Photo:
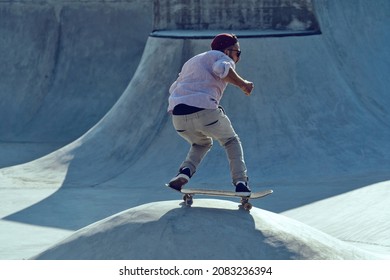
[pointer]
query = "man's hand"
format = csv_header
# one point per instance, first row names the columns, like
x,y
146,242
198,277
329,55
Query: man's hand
x,y
247,87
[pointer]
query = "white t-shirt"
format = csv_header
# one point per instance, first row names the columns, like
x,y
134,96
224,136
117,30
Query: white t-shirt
x,y
200,82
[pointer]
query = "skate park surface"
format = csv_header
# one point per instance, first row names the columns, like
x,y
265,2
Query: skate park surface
x,y
87,144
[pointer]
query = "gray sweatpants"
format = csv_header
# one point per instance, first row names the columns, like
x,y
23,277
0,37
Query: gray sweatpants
x,y
199,129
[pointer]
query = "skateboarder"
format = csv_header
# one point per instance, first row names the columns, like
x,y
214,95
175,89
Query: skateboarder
x,y
196,114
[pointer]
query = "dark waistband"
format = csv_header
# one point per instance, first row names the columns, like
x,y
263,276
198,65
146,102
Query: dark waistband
x,y
184,109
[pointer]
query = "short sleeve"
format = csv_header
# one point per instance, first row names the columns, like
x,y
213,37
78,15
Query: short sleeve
x,y
221,68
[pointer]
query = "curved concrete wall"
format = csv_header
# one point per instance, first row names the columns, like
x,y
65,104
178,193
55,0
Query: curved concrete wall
x,y
65,63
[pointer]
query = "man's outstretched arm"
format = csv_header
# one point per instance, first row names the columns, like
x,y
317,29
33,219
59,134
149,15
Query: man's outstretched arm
x,y
235,79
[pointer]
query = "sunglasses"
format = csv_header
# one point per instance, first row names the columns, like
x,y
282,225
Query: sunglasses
x,y
238,52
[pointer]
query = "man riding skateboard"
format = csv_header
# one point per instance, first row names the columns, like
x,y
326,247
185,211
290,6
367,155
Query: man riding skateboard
x,y
196,114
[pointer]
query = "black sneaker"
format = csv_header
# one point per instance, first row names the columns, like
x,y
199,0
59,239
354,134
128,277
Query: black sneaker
x,y
181,179
243,189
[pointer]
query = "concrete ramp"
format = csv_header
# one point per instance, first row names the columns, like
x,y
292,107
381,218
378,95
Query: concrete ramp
x,y
211,229
122,137
65,64
316,126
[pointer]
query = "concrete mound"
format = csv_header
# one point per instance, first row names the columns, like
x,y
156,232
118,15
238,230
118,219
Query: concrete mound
x,y
316,127
211,229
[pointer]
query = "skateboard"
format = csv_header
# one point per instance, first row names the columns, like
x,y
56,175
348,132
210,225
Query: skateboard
x,y
188,195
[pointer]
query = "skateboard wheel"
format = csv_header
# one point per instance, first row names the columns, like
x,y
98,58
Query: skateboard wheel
x,y
189,202
247,206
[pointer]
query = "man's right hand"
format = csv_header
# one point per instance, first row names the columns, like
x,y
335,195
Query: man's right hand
x,y
247,87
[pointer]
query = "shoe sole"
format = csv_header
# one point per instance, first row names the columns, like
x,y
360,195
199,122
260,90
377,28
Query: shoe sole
x,y
246,194
178,183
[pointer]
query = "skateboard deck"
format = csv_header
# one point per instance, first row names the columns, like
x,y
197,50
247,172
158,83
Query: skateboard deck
x,y
253,195
188,194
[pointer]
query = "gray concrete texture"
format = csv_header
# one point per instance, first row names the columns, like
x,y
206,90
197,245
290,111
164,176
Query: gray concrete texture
x,y
78,145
